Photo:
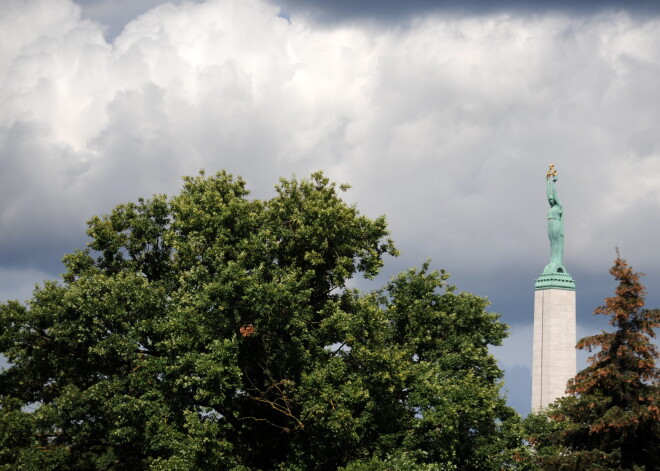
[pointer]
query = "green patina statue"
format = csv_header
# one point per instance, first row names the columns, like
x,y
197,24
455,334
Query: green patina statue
x,y
555,225
555,275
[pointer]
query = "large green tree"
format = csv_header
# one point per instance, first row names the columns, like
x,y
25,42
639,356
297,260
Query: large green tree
x,y
611,418
215,331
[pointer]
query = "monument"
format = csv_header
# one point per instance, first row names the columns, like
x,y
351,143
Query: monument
x,y
554,312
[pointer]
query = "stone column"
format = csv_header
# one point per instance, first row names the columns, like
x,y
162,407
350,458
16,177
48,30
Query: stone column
x,y
554,361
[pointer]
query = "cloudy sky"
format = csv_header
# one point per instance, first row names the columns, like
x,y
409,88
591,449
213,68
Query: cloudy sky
x,y
443,116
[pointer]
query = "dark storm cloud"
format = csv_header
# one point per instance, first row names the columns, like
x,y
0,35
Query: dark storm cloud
x,y
397,10
115,14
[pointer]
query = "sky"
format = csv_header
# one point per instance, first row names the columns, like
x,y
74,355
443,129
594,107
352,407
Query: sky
x,y
442,116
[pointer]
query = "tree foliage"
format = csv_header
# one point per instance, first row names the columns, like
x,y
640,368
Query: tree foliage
x,y
611,420
214,331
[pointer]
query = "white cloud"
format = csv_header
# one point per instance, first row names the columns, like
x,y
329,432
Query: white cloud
x,y
446,124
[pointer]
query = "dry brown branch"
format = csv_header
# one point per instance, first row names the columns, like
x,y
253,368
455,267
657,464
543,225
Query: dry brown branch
x,y
278,396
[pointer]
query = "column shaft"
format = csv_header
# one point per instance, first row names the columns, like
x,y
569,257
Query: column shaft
x,y
554,345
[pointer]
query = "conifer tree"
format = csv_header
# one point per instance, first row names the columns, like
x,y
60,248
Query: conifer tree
x,y
611,418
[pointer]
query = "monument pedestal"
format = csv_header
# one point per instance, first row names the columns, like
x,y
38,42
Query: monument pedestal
x,y
554,361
